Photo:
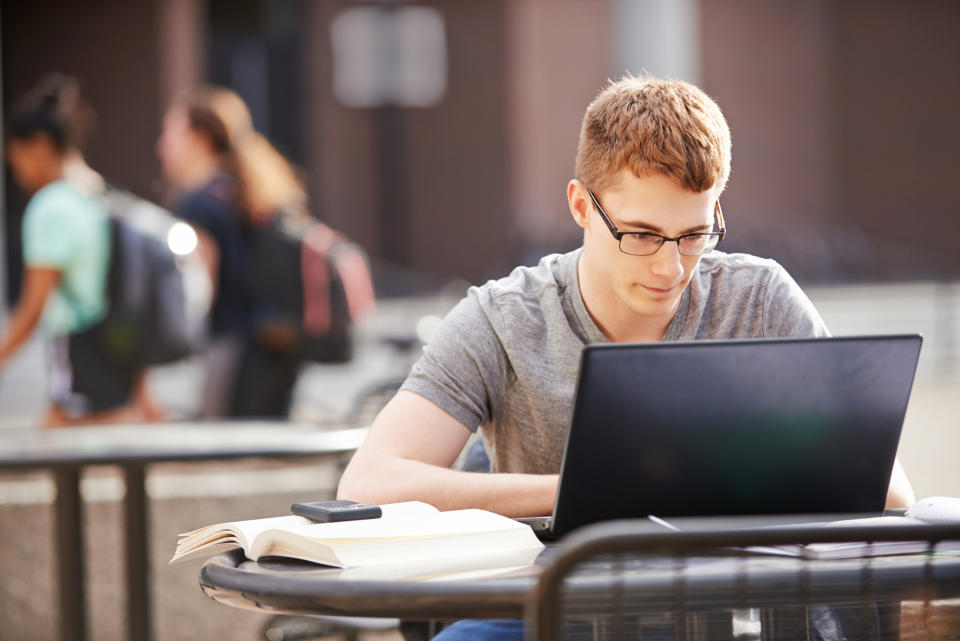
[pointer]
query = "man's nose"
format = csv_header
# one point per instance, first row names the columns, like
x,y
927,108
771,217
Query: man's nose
x,y
667,262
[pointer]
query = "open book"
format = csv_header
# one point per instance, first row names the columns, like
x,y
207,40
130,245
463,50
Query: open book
x,y
406,532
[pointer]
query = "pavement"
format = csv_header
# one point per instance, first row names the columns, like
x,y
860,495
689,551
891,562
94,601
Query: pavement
x,y
186,496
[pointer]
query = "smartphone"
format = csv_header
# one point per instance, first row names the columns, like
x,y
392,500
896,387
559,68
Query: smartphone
x,y
331,511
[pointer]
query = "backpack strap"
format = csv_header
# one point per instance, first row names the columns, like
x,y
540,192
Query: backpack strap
x,y
357,282
315,268
323,250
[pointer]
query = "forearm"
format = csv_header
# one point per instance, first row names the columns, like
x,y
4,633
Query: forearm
x,y
22,323
900,493
397,479
38,283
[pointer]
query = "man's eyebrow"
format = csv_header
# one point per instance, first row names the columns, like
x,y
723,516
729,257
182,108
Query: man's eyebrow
x,y
650,227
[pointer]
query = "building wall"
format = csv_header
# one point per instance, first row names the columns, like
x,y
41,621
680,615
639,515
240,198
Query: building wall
x,y
441,169
840,112
559,57
897,96
115,49
843,158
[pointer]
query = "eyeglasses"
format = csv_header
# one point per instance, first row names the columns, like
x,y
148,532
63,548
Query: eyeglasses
x,y
644,243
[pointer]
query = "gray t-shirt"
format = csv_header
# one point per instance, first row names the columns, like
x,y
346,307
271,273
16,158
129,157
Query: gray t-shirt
x,y
505,359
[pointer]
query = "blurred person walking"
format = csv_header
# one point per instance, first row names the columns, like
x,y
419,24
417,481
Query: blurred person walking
x,y
231,180
66,248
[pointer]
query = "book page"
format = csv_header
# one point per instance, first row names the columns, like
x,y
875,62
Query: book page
x,y
220,537
404,540
409,526
447,568
407,508
240,531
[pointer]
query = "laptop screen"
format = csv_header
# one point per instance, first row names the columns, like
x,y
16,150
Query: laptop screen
x,y
767,426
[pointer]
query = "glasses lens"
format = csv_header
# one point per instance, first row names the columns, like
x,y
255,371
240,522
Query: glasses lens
x,y
640,244
696,244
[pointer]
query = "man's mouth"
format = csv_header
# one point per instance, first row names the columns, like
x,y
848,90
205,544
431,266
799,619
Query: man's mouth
x,y
660,290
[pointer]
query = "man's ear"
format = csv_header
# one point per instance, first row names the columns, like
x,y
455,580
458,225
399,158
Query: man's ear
x,y
579,201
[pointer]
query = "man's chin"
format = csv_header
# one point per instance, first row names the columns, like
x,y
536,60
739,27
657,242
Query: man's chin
x,y
654,305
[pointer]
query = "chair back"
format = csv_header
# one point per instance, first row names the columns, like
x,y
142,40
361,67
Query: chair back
x,y
623,579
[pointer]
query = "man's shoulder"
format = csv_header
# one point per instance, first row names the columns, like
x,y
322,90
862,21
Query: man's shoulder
x,y
719,262
548,277
528,299
745,296
738,269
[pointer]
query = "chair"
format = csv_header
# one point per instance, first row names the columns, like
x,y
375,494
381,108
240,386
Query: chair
x,y
622,580
309,628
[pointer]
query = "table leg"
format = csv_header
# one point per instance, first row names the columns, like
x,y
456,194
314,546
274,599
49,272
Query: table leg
x,y
136,522
70,554
784,623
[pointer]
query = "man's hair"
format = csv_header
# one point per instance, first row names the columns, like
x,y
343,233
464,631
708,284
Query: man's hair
x,y
654,126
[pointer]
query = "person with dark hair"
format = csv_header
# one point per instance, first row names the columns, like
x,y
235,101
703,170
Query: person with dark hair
x,y
66,248
231,179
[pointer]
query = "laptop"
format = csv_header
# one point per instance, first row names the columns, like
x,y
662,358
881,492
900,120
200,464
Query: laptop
x,y
738,427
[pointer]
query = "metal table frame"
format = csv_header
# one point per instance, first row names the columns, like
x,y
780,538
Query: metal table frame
x,y
66,451
777,584
293,587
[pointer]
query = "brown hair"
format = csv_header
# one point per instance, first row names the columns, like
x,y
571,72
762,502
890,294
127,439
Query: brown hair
x,y
654,126
266,181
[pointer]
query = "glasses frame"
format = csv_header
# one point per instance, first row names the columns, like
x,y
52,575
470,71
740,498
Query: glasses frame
x,y
717,211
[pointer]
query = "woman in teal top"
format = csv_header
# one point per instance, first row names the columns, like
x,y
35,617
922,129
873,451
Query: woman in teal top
x,y
66,248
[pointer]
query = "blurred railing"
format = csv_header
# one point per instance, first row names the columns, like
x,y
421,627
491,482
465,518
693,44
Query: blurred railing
x,y
610,580
928,308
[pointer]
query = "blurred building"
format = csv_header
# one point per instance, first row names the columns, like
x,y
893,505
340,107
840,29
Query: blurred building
x,y
441,134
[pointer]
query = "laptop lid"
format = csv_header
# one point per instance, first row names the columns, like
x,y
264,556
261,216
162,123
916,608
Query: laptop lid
x,y
759,426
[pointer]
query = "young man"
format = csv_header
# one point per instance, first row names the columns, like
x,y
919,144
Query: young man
x,y
652,161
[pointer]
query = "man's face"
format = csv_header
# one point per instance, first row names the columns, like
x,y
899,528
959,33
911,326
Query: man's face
x,y
648,286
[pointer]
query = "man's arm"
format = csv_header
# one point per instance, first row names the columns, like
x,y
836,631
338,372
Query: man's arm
x,y
900,493
407,456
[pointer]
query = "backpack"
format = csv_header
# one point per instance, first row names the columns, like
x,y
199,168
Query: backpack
x,y
311,279
158,298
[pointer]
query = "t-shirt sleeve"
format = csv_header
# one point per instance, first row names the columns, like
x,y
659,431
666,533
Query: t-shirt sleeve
x,y
49,235
787,312
463,366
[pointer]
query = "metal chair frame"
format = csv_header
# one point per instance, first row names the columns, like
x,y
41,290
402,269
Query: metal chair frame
x,y
632,539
